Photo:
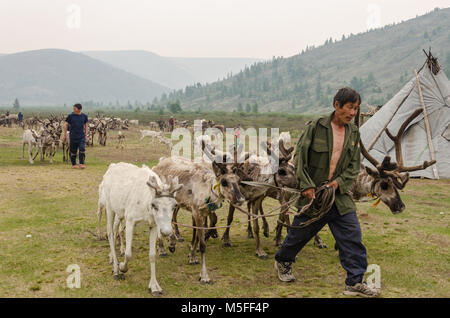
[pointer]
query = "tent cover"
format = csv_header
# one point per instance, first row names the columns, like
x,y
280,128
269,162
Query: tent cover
x,y
415,149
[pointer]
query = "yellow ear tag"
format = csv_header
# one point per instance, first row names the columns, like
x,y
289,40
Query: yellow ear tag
x,y
217,185
376,203
370,195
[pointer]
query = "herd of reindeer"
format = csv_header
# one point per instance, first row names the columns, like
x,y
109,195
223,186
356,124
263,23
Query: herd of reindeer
x,y
45,135
129,194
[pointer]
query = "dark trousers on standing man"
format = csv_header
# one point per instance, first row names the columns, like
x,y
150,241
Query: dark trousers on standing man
x,y
77,145
347,233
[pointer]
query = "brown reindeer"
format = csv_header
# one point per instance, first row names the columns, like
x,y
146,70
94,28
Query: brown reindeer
x,y
388,177
256,168
206,185
102,129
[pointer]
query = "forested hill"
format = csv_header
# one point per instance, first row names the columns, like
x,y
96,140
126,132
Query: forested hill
x,y
377,63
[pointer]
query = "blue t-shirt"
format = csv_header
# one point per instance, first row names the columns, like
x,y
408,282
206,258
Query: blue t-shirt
x,y
76,125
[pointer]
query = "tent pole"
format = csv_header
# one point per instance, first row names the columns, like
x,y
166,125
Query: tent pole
x,y
427,125
384,128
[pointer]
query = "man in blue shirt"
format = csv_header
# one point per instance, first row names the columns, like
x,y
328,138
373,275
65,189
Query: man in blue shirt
x,y
76,123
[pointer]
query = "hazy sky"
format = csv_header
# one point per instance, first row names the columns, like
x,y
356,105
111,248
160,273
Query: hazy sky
x,y
195,28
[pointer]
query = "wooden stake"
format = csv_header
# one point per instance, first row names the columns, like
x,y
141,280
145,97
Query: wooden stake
x,y
427,126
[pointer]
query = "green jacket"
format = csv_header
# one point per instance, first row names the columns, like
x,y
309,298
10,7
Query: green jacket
x,y
312,161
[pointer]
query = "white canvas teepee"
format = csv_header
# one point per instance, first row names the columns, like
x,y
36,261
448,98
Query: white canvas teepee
x,y
435,88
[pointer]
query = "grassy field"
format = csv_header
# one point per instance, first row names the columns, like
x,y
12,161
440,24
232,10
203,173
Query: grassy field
x,y
56,205
292,122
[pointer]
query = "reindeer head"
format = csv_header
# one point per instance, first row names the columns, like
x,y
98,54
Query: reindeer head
x,y
389,177
163,204
285,175
228,174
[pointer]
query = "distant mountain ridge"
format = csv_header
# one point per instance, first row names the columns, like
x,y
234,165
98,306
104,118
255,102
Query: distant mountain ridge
x,y
173,72
54,76
377,63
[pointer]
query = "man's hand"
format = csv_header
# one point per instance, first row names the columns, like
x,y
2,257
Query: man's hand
x,y
333,184
310,193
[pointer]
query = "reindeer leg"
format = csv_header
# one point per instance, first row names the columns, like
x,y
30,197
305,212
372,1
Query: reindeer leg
x,y
265,224
30,154
204,278
177,231
100,210
173,243
113,225
226,234
121,239
161,249
259,251
123,266
249,226
283,218
192,257
153,285
318,242
213,221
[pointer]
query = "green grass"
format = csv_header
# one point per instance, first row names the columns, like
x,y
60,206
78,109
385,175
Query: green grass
x,y
56,206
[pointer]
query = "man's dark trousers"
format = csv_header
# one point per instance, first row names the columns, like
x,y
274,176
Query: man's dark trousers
x,y
77,145
347,233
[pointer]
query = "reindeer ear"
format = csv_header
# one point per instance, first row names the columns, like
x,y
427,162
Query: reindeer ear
x,y
175,186
153,183
403,179
219,169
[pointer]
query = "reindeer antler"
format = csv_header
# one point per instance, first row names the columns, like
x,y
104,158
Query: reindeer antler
x,y
287,153
368,156
398,145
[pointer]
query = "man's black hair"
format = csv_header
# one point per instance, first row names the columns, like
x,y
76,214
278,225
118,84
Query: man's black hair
x,y
78,106
345,95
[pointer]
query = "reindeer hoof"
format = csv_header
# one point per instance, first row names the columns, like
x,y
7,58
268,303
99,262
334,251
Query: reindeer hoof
x,y
172,249
119,277
336,247
193,262
123,269
163,254
266,233
205,281
180,239
226,244
157,293
322,245
214,234
250,235
262,256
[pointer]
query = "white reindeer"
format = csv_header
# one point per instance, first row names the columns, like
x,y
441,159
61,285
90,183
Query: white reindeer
x,y
129,195
32,139
150,133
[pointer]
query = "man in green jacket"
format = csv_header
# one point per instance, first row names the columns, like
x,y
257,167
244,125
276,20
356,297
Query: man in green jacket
x,y
328,153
